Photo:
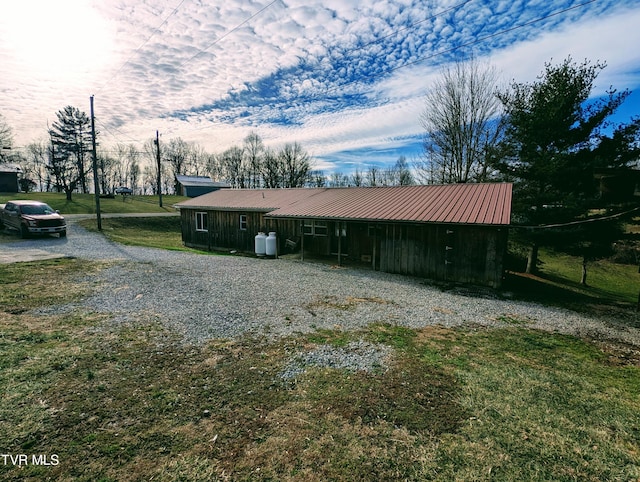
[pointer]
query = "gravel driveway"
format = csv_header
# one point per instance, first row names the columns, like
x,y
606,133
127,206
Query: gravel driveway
x,y
207,297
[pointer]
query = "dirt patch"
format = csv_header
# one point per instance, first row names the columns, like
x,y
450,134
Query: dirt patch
x,y
26,255
621,354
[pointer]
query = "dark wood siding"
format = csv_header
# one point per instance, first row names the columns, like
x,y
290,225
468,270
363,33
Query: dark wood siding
x,y
456,252
224,230
467,254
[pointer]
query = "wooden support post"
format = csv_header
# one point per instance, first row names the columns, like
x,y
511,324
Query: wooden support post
x,y
339,244
302,240
375,242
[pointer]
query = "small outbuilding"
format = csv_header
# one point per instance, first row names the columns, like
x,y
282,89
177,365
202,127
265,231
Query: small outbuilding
x,y
455,232
193,186
9,178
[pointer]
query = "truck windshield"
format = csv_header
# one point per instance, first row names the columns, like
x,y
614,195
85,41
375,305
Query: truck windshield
x,y
37,209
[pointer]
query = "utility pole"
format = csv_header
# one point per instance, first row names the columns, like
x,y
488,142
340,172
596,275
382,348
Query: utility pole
x,y
157,143
96,183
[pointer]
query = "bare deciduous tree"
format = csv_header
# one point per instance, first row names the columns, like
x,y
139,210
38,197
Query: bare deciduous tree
x,y
461,120
35,166
295,165
253,151
233,167
271,175
6,137
373,177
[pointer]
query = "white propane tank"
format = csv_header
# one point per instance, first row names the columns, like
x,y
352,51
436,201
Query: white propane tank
x,y
271,244
261,244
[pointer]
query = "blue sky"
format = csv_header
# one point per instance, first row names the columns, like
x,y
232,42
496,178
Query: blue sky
x,y
346,79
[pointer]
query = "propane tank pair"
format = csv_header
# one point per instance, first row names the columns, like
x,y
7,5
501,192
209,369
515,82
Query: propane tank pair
x,y
265,245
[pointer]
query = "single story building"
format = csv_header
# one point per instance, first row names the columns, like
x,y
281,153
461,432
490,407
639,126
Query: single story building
x,y
9,178
193,186
455,232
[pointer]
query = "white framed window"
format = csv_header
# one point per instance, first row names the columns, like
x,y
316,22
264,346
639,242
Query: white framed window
x,y
202,221
314,228
243,222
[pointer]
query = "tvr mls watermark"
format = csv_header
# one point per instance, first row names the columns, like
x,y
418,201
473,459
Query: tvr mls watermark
x,y
23,460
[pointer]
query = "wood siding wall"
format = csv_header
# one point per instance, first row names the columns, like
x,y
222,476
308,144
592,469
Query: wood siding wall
x,y
459,253
224,230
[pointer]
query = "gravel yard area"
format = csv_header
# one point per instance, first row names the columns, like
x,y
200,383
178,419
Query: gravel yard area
x,y
206,297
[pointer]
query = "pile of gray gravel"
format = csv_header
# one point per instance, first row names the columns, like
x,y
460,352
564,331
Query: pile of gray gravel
x,y
355,356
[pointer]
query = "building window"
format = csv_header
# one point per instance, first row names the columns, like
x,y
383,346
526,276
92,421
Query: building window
x,y
314,228
341,229
201,222
243,222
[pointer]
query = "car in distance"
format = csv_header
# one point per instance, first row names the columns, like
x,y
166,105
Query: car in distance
x,y
124,190
32,217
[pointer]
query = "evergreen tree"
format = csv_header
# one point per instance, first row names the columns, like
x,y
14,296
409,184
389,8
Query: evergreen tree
x,y
555,138
70,147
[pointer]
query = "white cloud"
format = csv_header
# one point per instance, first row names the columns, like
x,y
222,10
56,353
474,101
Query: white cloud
x,y
148,73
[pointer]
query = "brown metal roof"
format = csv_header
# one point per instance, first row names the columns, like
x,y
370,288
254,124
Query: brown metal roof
x,y
451,203
264,200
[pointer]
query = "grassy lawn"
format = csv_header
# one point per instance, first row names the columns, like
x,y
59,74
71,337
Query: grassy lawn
x,y
85,203
133,403
158,232
610,286
613,281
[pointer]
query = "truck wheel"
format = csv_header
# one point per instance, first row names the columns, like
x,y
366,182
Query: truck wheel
x,y
24,231
63,234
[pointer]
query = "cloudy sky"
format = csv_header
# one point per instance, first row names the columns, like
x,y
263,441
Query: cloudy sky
x,y
345,78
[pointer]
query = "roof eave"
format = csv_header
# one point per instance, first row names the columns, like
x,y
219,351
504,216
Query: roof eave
x,y
382,220
225,208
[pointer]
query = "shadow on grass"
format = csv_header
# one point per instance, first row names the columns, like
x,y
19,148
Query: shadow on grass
x,y
554,290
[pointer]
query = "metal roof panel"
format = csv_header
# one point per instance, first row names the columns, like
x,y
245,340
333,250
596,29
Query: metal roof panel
x,y
488,204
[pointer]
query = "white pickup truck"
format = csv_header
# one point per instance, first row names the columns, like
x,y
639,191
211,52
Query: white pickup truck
x,y
32,217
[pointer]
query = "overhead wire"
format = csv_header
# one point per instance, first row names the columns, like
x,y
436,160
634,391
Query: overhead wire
x,y
408,64
237,27
474,42
380,39
157,29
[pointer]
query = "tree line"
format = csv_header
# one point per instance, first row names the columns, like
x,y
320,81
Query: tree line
x,y
63,163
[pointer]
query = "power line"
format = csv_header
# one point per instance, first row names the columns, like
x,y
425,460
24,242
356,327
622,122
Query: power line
x,y
157,29
422,59
445,51
409,27
131,139
226,34
577,223
373,42
473,42
237,27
